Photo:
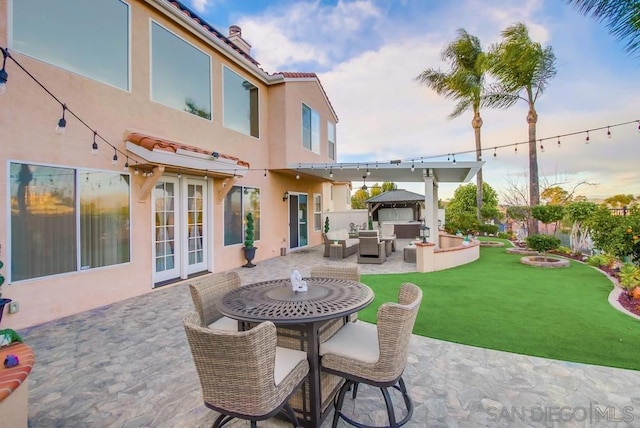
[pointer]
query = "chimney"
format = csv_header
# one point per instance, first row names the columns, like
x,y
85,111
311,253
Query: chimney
x,y
235,35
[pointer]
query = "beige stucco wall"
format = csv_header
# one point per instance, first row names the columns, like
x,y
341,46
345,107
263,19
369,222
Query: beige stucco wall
x,y
27,121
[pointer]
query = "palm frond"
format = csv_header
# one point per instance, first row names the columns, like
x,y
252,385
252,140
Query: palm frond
x,y
622,18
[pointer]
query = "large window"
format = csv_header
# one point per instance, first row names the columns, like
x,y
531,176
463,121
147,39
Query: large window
x,y
180,73
317,212
310,129
88,37
331,138
240,104
237,204
64,220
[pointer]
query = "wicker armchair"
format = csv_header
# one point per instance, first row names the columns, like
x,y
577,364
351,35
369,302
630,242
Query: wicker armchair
x,y
371,249
375,354
206,291
351,273
243,374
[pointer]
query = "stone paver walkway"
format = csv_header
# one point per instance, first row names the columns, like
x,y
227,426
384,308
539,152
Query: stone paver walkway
x,y
129,365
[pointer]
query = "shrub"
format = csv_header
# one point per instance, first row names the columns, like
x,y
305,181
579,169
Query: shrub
x,y
489,229
543,243
563,250
326,225
629,276
504,235
599,260
248,232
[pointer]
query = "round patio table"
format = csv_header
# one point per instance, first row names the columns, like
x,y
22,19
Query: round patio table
x,y
275,301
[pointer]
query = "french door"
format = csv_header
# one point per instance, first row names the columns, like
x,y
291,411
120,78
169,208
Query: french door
x,y
180,228
298,220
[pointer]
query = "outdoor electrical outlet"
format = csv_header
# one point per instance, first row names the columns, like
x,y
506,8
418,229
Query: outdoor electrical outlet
x,y
14,307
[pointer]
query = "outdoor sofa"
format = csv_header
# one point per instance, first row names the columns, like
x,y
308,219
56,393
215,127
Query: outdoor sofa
x,y
341,237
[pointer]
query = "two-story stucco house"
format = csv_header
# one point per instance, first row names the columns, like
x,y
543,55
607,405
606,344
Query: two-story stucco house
x,y
172,134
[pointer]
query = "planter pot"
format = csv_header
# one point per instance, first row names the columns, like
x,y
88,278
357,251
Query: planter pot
x,y
635,293
2,303
249,255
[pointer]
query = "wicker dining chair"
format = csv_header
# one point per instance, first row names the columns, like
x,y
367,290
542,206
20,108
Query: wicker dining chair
x,y
352,273
375,354
243,374
206,291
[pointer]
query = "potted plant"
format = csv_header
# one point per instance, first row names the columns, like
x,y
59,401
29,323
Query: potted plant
x,y
3,301
249,249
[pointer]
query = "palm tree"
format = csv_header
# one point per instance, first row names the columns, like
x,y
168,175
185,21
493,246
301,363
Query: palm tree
x,y
521,65
622,17
463,83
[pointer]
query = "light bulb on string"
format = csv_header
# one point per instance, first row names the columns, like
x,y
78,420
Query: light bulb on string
x,y
94,146
454,158
608,132
495,154
413,167
126,164
331,173
114,160
558,141
515,150
297,175
541,147
62,123
136,171
179,174
586,140
265,172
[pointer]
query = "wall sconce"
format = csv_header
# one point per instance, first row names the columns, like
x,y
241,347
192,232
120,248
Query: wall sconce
x,y
425,232
285,197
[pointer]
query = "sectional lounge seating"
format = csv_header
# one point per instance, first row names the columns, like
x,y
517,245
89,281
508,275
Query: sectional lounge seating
x,y
341,236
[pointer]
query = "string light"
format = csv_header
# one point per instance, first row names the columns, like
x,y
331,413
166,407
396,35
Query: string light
x,y
608,132
136,171
179,174
368,172
586,140
413,167
62,123
495,154
558,141
516,149
94,146
114,160
454,158
541,147
126,165
265,172
331,173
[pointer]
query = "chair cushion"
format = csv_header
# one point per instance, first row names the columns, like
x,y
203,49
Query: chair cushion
x,y
224,323
338,235
286,360
352,241
358,341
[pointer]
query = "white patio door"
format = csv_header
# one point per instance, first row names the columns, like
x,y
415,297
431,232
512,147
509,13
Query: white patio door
x,y
180,228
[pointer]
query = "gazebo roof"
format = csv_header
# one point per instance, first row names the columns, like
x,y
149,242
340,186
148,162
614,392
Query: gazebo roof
x,y
398,195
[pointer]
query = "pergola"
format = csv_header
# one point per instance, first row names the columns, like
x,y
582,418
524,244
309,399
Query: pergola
x,y
430,173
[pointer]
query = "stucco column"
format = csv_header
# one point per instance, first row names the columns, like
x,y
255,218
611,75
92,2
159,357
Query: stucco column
x,y
425,261
431,205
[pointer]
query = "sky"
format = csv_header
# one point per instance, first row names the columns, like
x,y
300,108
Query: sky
x,y
367,54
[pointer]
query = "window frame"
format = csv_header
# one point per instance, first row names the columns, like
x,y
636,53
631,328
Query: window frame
x,y
313,133
78,212
317,223
151,73
61,64
254,106
243,204
331,140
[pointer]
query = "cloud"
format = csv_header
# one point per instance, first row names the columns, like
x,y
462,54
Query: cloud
x,y
368,54
200,6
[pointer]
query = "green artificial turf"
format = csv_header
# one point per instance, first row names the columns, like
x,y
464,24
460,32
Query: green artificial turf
x,y
498,303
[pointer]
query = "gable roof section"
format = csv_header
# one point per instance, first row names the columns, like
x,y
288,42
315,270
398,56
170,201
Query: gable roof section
x,y
398,195
302,76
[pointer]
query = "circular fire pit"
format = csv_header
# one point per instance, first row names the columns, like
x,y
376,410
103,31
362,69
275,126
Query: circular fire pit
x,y
545,262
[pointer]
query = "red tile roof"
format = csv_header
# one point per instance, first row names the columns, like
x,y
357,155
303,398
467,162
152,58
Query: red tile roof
x,y
150,143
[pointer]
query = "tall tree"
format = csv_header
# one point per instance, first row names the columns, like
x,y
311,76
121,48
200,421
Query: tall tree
x,y
521,66
622,17
464,83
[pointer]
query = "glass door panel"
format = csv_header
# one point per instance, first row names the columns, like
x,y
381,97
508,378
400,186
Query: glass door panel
x,y
166,246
